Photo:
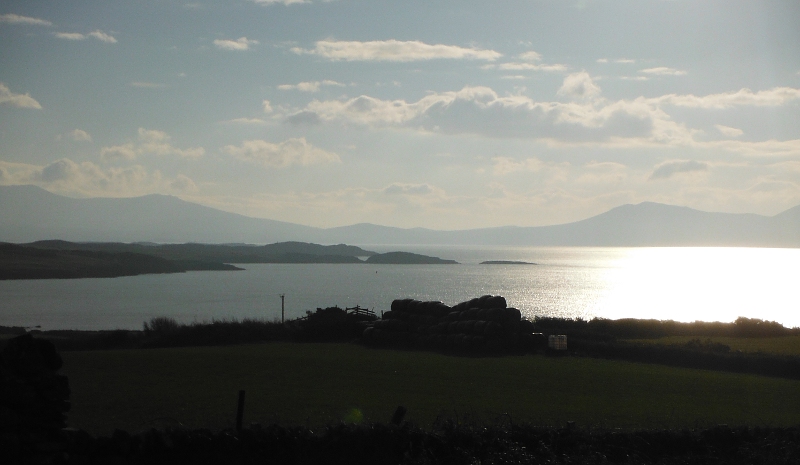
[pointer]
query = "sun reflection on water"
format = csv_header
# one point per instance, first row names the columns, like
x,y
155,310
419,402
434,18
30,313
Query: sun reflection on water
x,y
702,283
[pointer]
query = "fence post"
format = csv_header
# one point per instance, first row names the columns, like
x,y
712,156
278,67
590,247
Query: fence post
x,y
240,411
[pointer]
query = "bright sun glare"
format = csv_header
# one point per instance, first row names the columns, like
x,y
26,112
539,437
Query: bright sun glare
x,y
703,283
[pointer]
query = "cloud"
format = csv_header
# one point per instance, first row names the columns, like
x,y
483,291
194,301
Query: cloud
x,y
774,97
394,50
17,100
480,110
26,20
183,183
70,35
267,106
729,131
667,169
518,66
242,43
88,179
116,152
579,86
507,165
587,119
289,152
149,142
663,71
103,37
408,189
98,34
530,56
80,135
767,148
147,85
309,86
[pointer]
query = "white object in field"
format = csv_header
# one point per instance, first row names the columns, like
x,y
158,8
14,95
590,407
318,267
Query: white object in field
x,y
557,342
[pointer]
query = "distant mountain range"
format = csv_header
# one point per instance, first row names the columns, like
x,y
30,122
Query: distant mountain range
x,y
29,213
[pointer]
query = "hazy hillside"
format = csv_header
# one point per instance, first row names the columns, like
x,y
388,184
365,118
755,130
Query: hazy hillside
x,y
29,214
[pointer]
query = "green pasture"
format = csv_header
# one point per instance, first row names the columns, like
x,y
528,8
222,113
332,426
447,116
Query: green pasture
x,y
317,384
779,345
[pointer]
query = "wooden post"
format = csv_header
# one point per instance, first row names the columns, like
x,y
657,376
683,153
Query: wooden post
x,y
240,411
282,296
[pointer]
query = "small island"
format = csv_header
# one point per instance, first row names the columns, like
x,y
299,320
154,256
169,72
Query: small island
x,y
506,262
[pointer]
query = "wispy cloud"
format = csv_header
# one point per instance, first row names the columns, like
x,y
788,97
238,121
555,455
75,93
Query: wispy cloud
x,y
88,179
79,135
524,66
408,189
623,61
394,50
242,43
663,71
98,34
670,168
17,100
70,35
289,152
103,37
480,110
530,56
586,119
579,85
26,20
729,131
313,86
149,142
744,97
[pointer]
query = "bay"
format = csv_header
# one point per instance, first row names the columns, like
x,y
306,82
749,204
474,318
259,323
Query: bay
x,y
683,284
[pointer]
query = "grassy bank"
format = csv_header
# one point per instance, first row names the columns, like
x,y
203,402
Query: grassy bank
x,y
779,345
314,384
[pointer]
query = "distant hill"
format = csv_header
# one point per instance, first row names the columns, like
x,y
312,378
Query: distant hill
x,y
29,213
281,252
19,262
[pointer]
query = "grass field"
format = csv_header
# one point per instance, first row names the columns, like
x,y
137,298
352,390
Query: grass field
x,y
780,345
316,384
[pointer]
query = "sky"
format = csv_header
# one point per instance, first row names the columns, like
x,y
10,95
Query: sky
x,y
437,114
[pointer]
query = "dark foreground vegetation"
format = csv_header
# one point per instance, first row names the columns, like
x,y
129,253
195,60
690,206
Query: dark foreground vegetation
x,y
482,326
449,444
34,400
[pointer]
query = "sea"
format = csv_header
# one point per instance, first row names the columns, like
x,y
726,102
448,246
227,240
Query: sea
x,y
670,283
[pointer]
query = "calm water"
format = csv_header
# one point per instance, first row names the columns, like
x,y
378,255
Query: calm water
x,y
684,284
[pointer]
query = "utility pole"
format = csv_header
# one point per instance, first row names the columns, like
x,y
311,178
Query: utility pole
x,y
282,296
